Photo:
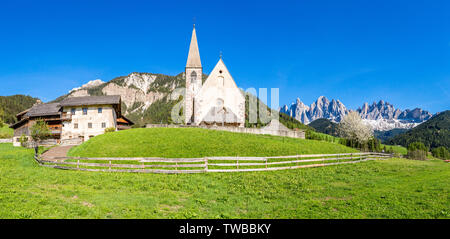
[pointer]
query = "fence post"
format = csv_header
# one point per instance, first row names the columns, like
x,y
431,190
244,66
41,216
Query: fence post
x,y
109,165
237,163
78,163
206,164
176,165
266,162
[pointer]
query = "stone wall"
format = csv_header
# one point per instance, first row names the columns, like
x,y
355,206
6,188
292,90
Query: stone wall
x,y
6,141
287,133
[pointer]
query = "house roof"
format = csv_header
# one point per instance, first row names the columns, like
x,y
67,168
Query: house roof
x,y
43,110
48,109
91,100
22,113
122,119
275,124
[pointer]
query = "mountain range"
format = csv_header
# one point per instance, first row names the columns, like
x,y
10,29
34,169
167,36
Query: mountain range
x,y
381,116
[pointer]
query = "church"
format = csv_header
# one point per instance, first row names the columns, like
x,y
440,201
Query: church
x,y
216,102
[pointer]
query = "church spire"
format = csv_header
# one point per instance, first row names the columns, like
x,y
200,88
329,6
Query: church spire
x,y
194,54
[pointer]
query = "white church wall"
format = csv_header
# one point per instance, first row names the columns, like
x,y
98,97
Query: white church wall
x,y
220,86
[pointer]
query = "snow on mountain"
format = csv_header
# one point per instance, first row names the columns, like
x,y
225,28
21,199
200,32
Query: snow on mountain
x,y
90,84
381,116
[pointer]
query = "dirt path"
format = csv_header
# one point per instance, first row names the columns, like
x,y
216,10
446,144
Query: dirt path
x,y
59,151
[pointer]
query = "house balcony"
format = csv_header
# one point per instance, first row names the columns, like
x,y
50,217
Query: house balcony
x,y
66,117
55,130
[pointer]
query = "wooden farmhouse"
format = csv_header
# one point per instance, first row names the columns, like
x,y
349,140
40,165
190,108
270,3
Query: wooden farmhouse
x,y
74,119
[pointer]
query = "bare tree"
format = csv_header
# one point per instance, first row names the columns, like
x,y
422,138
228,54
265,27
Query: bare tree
x,y
352,127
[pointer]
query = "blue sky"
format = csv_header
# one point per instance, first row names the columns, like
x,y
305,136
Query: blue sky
x,y
355,51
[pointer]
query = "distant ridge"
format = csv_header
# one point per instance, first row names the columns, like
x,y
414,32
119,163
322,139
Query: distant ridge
x,y
433,133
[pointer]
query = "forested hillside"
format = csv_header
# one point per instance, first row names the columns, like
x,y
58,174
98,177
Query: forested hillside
x,y
324,126
11,105
385,136
433,133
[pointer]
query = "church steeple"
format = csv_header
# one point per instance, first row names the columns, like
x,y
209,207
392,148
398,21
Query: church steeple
x,y
194,54
193,75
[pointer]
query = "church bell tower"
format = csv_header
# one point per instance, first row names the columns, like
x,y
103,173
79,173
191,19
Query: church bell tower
x,y
193,74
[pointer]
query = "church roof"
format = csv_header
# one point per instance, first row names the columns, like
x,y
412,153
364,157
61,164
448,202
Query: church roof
x,y
194,54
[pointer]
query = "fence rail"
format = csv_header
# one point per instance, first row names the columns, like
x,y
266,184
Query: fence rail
x,y
205,164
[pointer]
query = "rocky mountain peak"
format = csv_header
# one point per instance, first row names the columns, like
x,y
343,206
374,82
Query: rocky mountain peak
x,y
141,81
380,115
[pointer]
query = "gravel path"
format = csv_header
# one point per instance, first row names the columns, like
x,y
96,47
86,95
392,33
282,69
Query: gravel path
x,y
59,151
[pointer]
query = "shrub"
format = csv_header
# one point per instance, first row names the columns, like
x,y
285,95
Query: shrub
x,y
110,129
417,150
441,152
23,140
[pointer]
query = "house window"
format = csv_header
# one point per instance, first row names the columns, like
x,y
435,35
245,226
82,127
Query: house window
x,y
100,110
90,125
75,125
72,111
103,125
84,111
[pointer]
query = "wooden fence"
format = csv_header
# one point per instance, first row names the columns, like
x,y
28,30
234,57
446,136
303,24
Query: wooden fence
x,y
206,164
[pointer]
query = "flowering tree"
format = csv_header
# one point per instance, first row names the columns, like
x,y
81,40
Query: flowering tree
x,y
353,128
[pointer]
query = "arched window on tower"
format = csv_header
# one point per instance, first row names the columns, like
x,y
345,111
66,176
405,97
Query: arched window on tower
x,y
193,77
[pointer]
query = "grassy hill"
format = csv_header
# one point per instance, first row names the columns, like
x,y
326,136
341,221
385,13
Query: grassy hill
x,y
14,104
195,142
395,188
433,133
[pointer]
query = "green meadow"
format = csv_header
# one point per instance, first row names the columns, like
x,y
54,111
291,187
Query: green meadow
x,y
195,142
394,188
